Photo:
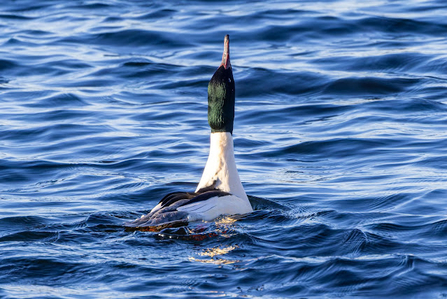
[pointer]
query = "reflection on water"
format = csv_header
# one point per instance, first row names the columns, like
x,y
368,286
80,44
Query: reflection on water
x,y
215,254
224,228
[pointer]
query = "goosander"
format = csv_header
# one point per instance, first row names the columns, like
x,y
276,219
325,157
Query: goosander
x,y
220,191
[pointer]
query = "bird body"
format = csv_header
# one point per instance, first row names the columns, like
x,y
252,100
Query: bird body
x,y
220,191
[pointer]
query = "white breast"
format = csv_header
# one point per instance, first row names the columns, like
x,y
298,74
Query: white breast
x,y
221,166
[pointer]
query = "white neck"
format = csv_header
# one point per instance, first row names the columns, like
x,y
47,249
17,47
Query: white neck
x,y
221,166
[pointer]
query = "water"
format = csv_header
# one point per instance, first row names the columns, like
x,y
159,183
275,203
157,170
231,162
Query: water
x,y
340,139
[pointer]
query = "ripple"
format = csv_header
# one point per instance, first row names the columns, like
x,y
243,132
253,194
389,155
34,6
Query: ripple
x,y
339,134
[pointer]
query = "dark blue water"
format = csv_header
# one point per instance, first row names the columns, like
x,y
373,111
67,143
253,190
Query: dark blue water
x,y
340,139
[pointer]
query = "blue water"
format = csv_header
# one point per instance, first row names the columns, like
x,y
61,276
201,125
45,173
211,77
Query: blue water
x,y
340,139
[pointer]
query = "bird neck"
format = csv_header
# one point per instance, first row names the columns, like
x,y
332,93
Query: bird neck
x,y
220,169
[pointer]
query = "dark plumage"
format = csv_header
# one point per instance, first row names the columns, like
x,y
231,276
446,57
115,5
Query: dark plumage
x,y
167,212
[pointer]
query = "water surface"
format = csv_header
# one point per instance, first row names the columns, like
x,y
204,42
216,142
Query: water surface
x,y
340,138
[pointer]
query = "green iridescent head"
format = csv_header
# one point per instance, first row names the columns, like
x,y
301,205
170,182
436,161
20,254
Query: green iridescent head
x,y
221,95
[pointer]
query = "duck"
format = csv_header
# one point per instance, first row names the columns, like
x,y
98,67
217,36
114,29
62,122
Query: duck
x,y
219,191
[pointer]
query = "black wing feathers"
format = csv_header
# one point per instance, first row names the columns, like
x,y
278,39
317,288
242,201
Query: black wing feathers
x,y
201,195
205,196
168,214
171,198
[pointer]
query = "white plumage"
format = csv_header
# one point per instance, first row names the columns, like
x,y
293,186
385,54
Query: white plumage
x,y
220,169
